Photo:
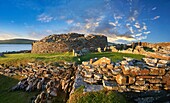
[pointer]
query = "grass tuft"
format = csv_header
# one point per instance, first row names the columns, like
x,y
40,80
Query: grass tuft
x,y
96,97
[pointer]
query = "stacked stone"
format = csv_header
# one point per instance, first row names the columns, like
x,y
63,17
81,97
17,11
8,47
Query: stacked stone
x,y
49,80
68,42
128,74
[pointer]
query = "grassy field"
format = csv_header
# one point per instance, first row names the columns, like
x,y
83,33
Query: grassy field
x,y
13,97
113,56
22,58
24,97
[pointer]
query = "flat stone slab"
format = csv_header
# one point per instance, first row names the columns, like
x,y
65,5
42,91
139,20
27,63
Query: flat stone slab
x,y
110,85
79,82
90,80
93,88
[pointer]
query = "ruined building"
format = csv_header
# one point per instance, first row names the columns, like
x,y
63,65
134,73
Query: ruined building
x,y
68,42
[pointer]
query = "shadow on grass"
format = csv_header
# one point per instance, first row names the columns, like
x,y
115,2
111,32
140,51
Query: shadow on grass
x,y
105,96
13,97
158,96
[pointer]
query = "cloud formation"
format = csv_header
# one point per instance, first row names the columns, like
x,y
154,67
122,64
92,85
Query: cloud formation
x,y
69,21
154,8
156,17
44,18
112,18
121,39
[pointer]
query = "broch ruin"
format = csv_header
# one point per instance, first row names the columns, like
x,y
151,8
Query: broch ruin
x,y
142,81
68,42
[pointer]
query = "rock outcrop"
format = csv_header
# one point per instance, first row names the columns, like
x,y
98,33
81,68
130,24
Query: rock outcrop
x,y
68,42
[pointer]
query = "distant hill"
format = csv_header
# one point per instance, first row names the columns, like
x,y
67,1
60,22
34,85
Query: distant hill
x,y
17,41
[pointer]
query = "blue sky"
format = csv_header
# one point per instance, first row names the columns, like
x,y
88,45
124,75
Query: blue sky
x,y
121,20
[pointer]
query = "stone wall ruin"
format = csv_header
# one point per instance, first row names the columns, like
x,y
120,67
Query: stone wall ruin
x,y
127,75
68,42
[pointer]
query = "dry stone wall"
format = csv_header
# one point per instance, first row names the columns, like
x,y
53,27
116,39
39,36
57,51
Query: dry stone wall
x,y
68,42
48,80
128,75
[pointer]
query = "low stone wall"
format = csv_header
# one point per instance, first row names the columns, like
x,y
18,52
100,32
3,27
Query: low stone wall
x,y
48,80
124,76
68,42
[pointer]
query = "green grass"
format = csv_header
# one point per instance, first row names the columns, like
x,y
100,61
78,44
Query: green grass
x,y
24,97
13,97
113,56
23,58
96,97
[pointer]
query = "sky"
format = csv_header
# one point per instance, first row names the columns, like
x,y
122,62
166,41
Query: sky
x,y
122,21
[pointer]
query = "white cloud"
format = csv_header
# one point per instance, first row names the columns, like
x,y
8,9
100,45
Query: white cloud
x,y
131,30
37,35
144,27
128,25
120,37
112,23
131,19
45,18
6,36
148,32
156,17
139,34
87,26
69,21
154,8
137,25
117,17
49,31
100,18
142,37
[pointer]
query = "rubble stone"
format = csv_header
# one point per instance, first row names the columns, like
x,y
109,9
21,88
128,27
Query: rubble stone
x,y
93,88
121,79
139,87
131,80
143,72
88,74
113,49
153,87
102,60
110,85
161,71
98,76
159,65
145,77
156,80
154,71
126,70
110,66
140,82
90,80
